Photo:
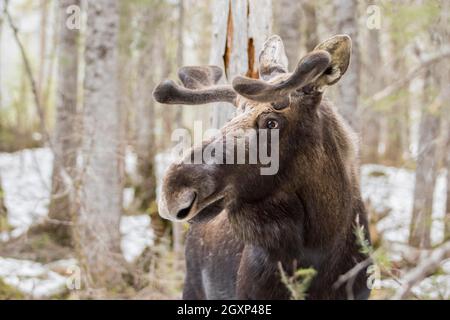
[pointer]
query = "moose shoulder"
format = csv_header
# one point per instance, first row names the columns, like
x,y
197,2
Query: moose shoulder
x,y
245,224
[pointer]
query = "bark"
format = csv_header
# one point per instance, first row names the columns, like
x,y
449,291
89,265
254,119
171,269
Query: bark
x,y
3,212
371,130
65,142
180,56
240,27
288,17
436,78
426,171
349,85
310,25
427,266
447,207
98,236
42,48
177,228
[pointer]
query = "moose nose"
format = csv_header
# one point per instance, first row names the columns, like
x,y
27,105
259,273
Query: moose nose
x,y
179,207
184,212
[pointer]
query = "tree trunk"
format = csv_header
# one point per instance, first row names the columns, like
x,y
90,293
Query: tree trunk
x,y
98,236
371,130
4,225
310,25
42,49
177,228
447,214
397,115
240,28
346,13
287,24
65,142
426,171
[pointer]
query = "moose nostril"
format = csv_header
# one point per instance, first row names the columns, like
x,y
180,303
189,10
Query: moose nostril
x,y
183,213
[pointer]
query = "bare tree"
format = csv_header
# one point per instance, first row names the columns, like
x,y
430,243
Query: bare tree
x,y
239,30
426,171
447,207
3,211
435,92
349,86
310,24
98,236
65,142
397,120
42,47
287,25
371,132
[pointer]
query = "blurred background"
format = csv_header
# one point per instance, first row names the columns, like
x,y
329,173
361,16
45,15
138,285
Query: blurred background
x,y
83,145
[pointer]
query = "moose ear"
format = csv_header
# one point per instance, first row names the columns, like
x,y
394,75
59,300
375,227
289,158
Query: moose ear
x,y
272,59
194,77
339,47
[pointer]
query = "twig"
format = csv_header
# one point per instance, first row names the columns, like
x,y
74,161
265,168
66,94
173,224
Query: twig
x,y
400,83
29,72
425,267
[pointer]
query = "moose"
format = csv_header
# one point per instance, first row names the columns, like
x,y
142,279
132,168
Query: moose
x,y
244,225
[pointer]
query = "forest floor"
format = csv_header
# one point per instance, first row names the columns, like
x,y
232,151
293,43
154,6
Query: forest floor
x,y
26,182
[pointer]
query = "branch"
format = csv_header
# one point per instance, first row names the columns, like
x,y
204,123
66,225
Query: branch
x,y
400,83
29,72
427,266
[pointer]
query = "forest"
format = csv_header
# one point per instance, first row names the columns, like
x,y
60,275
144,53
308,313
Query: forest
x,y
84,146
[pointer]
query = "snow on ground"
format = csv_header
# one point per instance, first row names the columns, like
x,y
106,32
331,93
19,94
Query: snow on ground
x,y
393,188
26,181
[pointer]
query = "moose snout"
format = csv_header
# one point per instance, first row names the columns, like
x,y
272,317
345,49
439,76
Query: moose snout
x,y
179,207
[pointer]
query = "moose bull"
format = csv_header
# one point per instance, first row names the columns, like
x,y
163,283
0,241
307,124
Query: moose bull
x,y
243,225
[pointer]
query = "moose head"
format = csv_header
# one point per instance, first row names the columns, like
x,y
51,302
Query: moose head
x,y
246,221
281,100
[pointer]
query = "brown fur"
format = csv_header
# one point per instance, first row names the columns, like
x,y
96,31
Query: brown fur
x,y
244,223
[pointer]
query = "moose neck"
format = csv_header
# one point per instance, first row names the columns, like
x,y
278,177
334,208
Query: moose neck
x,y
298,223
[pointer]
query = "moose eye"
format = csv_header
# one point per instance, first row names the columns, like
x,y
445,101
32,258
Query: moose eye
x,y
271,124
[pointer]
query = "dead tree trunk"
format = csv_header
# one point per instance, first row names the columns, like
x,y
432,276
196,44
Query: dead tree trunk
x,y
447,207
309,25
372,125
98,236
287,24
240,28
426,171
65,140
349,86
4,226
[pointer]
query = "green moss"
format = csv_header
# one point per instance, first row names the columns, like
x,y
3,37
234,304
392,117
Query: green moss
x,y
8,292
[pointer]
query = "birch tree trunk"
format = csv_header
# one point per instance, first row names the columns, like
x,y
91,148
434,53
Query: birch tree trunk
x,y
447,207
397,114
240,28
310,24
288,15
4,226
177,228
42,48
98,236
435,106
371,130
65,140
426,170
348,86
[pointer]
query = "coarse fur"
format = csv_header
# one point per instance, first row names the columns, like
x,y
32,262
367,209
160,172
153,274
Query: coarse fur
x,y
243,224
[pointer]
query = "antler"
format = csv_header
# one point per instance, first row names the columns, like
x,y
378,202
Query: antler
x,y
200,87
308,70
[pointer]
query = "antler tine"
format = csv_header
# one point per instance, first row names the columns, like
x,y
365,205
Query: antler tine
x,y
199,87
308,70
169,92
